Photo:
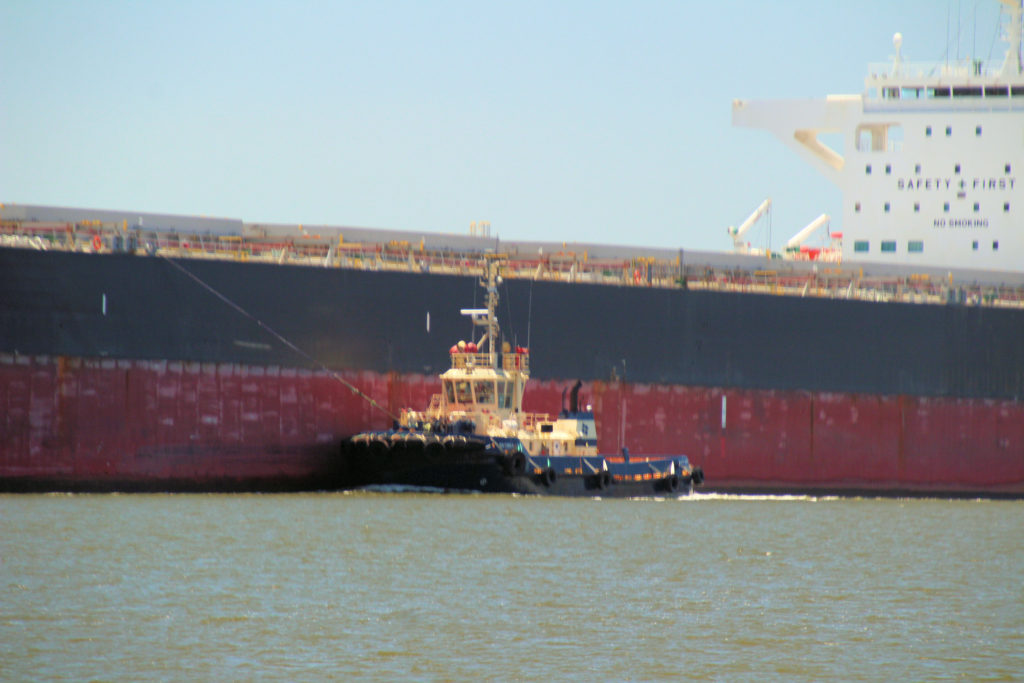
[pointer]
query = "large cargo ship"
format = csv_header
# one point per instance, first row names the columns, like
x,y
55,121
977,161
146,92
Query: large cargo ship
x,y
155,352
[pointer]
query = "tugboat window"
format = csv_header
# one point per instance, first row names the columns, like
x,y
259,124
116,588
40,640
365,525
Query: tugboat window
x,y
485,392
463,392
449,390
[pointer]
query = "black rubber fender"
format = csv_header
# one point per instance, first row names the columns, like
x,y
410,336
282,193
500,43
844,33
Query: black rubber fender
x,y
698,476
671,483
379,447
434,451
514,463
548,477
602,480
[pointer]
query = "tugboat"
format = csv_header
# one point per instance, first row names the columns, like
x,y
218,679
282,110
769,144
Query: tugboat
x,y
475,436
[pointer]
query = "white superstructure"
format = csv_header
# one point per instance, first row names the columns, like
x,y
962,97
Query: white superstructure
x,y
932,160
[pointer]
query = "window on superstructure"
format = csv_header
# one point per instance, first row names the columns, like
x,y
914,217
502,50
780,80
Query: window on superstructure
x,y
888,246
463,392
504,394
917,169
915,246
995,245
956,169
949,131
878,137
996,91
1006,207
856,207
977,131
888,169
928,131
974,245
945,207
449,391
860,246
917,207
977,207
867,169
888,206
1017,90
485,392
1007,169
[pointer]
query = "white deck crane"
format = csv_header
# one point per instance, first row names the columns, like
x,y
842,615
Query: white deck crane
x,y
737,234
798,239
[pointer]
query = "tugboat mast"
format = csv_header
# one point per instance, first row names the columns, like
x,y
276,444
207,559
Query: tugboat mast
x,y
488,317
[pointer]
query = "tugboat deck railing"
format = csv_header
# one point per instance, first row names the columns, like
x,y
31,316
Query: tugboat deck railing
x,y
516,362
529,421
462,360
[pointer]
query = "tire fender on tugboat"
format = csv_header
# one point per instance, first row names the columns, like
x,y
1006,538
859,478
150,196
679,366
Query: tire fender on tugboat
x,y
697,476
514,464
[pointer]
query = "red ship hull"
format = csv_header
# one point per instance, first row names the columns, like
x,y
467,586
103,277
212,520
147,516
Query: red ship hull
x,y
102,424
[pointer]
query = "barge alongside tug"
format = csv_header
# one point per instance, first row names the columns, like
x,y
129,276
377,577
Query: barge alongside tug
x,y
475,434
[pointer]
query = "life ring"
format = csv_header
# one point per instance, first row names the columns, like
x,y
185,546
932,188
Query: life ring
x,y
636,276
96,243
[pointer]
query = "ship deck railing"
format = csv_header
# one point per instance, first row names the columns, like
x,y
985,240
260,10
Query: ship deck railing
x,y
831,281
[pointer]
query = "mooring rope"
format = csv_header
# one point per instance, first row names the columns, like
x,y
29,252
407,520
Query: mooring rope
x,y
353,388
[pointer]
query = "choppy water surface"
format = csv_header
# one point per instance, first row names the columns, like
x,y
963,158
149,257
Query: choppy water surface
x,y
415,586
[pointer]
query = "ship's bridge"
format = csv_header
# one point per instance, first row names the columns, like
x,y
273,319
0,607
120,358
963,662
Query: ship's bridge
x,y
485,387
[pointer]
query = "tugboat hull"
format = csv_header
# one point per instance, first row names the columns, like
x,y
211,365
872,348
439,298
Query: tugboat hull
x,y
498,466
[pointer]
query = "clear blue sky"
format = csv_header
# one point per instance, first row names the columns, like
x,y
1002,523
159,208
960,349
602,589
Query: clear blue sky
x,y
575,121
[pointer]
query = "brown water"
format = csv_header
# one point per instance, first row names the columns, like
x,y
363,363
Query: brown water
x,y
465,587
